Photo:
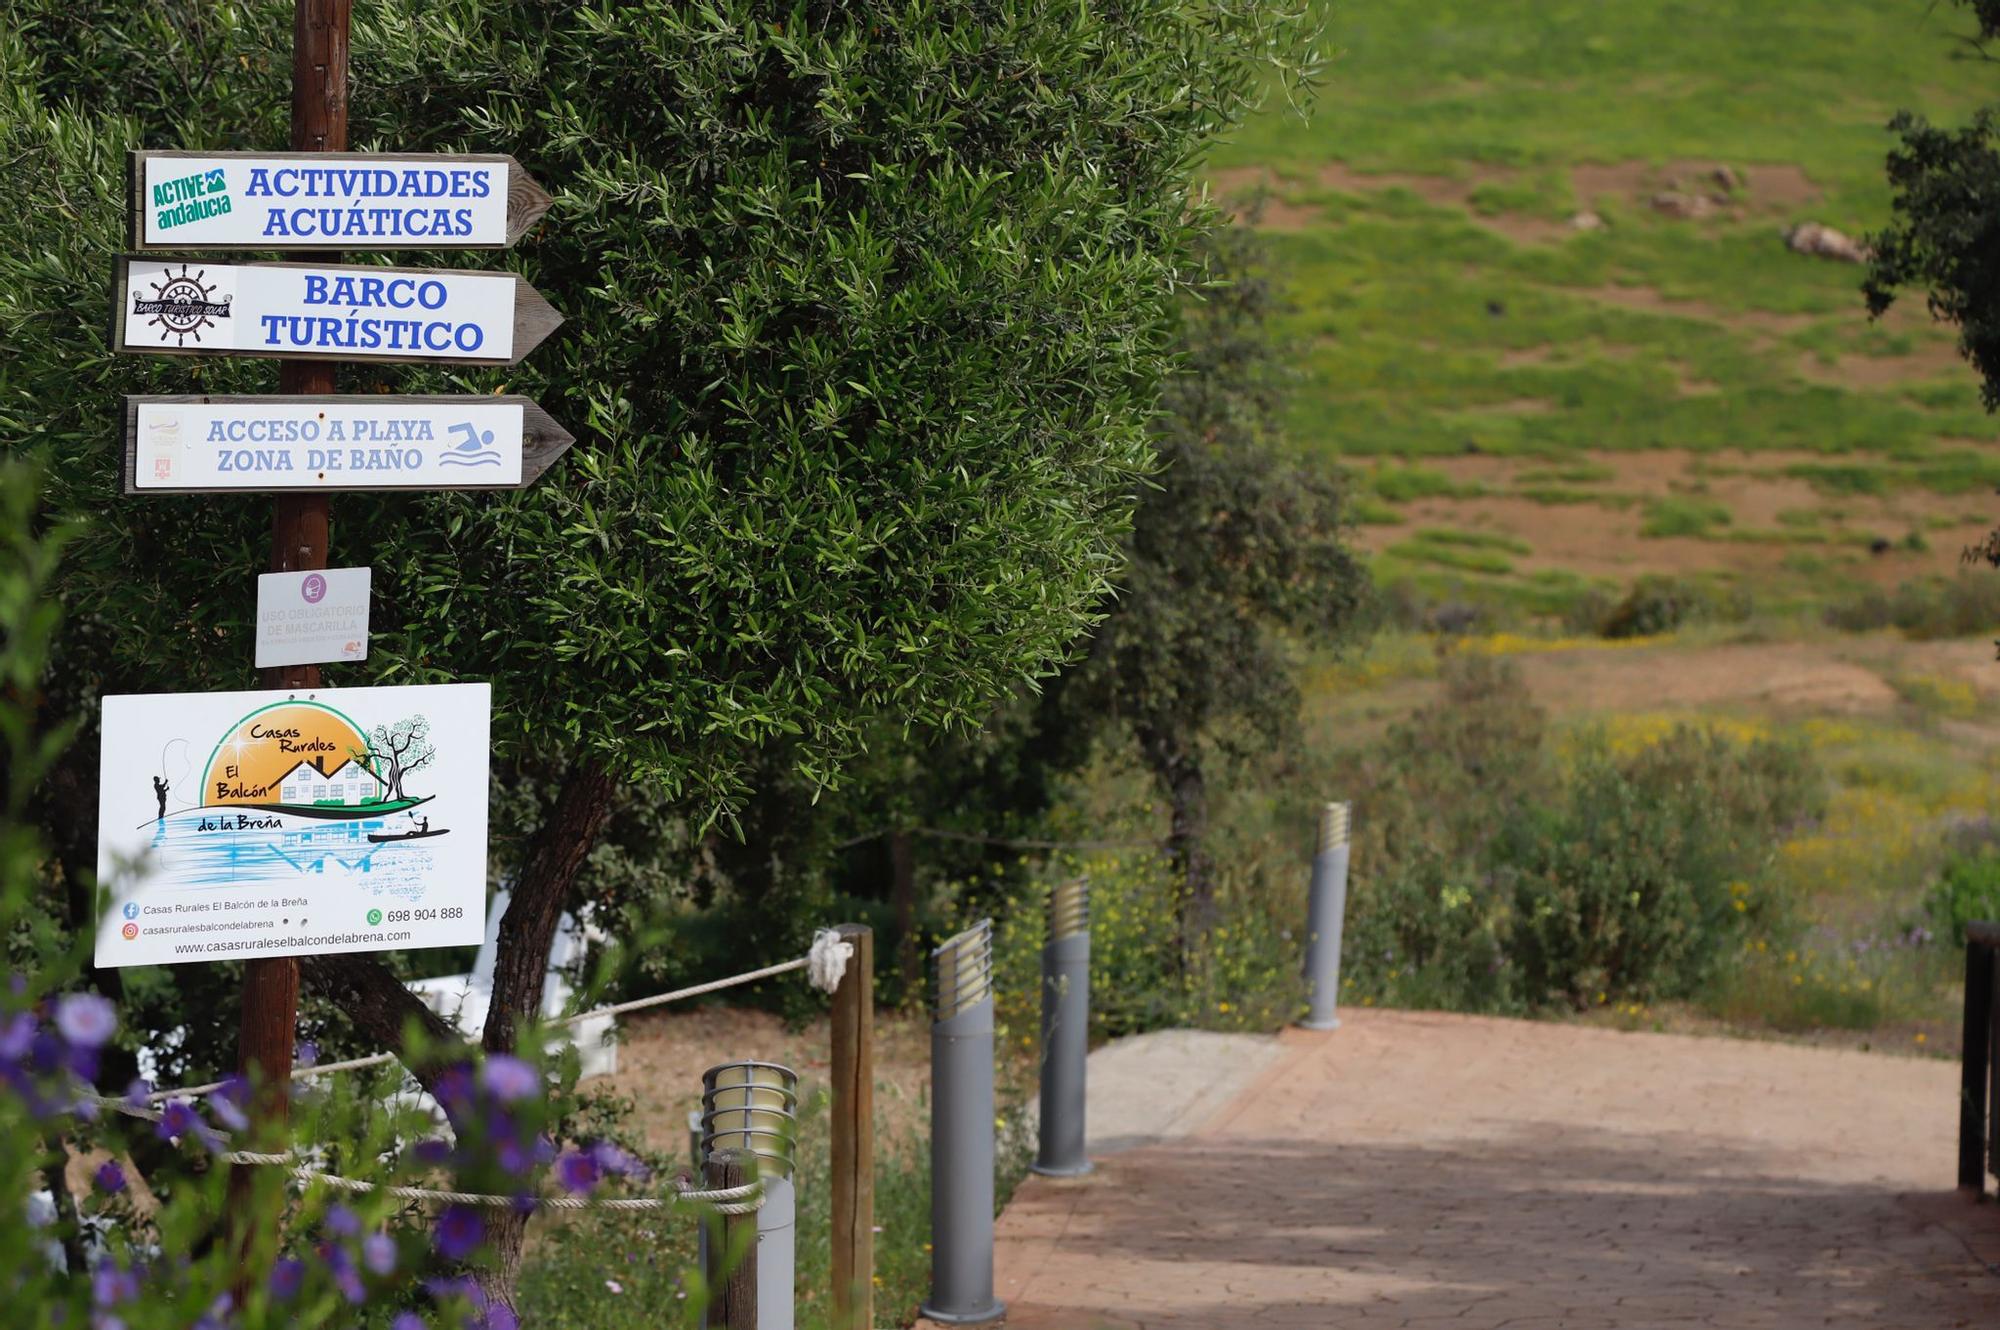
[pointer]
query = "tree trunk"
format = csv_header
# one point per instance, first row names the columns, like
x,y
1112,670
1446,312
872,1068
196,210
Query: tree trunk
x,y
903,896
379,1005
561,847
555,859
1181,778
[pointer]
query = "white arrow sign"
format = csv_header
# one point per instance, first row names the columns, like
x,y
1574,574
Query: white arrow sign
x,y
180,445
327,312
330,200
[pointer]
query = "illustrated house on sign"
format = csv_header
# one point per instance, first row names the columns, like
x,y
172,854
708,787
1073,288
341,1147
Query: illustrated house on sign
x,y
350,783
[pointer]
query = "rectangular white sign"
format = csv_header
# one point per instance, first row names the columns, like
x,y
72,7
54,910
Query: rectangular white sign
x,y
344,443
274,823
301,310
274,202
311,618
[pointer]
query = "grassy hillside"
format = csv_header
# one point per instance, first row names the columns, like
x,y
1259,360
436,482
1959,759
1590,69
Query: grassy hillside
x,y
1536,404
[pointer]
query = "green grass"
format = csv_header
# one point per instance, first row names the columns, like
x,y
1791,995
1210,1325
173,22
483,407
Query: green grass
x,y
1404,484
1463,550
1570,473
1421,317
573,1260
1680,515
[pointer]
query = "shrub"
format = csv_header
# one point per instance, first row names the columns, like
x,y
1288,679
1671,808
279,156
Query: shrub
x,y
1625,888
1660,604
1966,605
1967,891
1490,873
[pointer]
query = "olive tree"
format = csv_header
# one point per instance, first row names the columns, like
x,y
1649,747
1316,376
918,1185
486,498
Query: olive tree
x,y
1945,236
868,310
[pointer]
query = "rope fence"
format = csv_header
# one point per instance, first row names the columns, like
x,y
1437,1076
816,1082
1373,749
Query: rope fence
x,y
1003,842
744,1200
826,962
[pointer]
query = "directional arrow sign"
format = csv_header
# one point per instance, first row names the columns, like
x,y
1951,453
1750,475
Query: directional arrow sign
x,y
329,200
198,445
304,311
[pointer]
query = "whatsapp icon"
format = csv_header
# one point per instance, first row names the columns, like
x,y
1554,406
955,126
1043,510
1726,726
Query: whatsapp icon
x,y
374,916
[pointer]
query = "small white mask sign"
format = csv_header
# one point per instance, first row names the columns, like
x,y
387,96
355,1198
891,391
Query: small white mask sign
x,y
312,618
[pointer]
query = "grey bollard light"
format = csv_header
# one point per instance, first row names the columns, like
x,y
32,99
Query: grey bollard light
x,y
962,1132
1060,1152
753,1106
1326,909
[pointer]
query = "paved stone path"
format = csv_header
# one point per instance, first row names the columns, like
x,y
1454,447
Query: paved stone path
x,y
1415,1169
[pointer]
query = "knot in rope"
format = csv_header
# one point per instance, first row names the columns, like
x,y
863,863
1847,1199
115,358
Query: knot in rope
x,y
827,961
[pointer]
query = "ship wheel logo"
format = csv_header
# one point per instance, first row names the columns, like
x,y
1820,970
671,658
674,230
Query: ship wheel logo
x,y
181,305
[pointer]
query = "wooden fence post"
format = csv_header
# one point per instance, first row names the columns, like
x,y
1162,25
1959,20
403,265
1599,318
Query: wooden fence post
x,y
732,1288
1974,1050
854,1135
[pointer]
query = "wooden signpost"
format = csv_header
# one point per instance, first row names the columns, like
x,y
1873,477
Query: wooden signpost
x,y
202,445
310,314
319,311
328,200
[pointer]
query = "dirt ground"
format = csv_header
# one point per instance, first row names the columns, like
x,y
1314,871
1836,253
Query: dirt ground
x,y
664,1053
1600,537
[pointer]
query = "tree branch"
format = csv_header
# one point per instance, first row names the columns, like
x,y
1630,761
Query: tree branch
x,y
383,1010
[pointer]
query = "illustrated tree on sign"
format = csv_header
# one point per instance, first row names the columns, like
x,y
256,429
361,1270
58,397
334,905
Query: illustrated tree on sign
x,y
395,752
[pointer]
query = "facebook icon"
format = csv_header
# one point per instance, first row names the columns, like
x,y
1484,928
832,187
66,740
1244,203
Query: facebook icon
x,y
131,909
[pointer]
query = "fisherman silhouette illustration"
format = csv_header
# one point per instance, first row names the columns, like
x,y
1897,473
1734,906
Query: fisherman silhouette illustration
x,y
160,788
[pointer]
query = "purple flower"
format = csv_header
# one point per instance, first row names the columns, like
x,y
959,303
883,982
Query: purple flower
x,y
287,1277
227,1104
178,1119
501,1317
407,1321
17,1036
138,1092
342,1222
511,1155
459,1232
306,1054
217,1315
453,1089
378,1253
617,1161
112,1284
86,1019
48,1054
345,1277
110,1177
432,1153
457,1287
509,1079
576,1172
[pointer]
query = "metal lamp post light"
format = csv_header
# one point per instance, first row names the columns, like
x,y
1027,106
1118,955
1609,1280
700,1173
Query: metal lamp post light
x,y
962,1132
1065,1032
1326,909
752,1107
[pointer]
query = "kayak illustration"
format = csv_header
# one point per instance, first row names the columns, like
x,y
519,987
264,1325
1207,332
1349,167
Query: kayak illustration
x,y
381,836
